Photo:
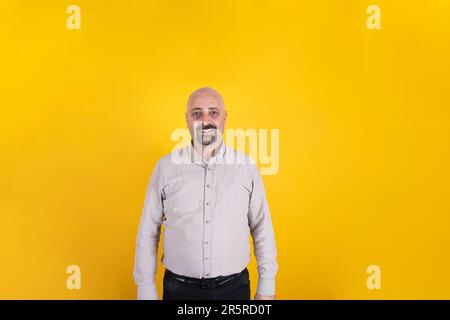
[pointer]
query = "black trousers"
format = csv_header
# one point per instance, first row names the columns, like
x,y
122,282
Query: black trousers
x,y
236,289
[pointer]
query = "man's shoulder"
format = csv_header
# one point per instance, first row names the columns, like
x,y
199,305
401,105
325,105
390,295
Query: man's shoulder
x,y
177,156
237,157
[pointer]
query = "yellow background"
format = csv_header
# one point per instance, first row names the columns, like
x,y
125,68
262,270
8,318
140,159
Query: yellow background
x,y
364,136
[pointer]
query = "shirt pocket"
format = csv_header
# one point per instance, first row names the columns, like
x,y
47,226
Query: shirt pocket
x,y
183,198
233,198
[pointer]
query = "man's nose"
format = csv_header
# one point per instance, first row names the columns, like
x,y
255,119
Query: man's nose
x,y
206,119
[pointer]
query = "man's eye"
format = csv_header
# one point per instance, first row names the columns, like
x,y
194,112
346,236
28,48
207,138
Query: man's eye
x,y
214,113
196,115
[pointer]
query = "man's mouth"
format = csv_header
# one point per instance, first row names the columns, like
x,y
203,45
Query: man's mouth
x,y
208,130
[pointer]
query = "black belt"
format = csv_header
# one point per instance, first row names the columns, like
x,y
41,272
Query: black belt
x,y
208,283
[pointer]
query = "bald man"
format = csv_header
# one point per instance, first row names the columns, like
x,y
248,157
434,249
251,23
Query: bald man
x,y
210,203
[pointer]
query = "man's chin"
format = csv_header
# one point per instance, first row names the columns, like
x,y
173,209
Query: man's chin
x,y
204,142
208,141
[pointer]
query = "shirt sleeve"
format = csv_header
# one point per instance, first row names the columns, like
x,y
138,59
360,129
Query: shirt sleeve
x,y
261,228
147,240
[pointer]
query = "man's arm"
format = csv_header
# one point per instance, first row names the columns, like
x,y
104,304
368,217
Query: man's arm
x,y
261,229
147,240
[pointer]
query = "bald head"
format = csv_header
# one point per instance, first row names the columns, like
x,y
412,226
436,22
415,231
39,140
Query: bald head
x,y
205,93
206,115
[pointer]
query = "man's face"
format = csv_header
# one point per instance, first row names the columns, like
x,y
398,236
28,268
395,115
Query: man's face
x,y
206,119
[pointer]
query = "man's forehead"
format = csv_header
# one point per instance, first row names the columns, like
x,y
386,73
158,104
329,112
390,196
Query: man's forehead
x,y
205,101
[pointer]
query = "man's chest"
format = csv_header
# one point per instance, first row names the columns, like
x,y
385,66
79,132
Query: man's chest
x,y
193,189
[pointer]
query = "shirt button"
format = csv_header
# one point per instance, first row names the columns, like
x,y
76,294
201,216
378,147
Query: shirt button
x,y
207,221
207,203
206,242
207,274
206,258
207,185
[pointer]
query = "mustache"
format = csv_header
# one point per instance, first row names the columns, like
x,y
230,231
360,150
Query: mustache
x,y
208,126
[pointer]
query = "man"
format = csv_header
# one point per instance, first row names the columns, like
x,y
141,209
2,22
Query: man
x,y
210,202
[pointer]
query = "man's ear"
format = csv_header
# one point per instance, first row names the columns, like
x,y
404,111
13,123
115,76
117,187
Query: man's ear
x,y
225,115
185,115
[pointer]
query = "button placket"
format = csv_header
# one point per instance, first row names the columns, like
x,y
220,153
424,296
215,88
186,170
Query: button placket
x,y
207,228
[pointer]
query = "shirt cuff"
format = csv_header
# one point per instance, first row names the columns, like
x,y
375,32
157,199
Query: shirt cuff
x,y
147,292
266,287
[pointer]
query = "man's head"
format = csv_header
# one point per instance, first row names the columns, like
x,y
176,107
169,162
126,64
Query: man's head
x,y
205,116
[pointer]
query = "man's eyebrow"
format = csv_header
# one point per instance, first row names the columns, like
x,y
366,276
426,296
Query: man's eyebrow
x,y
200,109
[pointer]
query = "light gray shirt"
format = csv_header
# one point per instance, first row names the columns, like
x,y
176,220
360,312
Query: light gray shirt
x,y
209,210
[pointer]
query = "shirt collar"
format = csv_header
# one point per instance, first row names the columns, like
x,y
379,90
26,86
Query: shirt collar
x,y
195,157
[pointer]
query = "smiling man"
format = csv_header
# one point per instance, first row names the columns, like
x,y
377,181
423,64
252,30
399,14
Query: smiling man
x,y
209,203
